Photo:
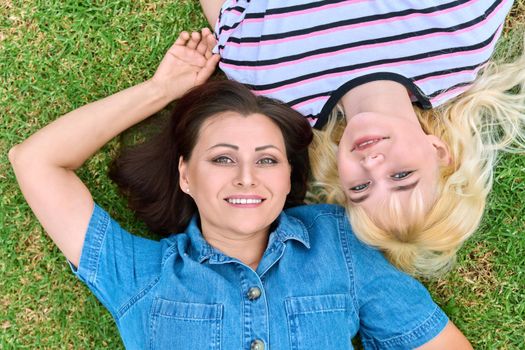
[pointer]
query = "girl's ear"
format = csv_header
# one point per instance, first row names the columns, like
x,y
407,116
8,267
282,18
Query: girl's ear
x,y
184,182
441,150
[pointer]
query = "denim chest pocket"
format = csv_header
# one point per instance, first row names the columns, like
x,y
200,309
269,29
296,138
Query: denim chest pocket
x,y
319,322
181,325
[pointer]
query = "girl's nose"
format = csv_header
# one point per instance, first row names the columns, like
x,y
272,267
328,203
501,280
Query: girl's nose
x,y
372,160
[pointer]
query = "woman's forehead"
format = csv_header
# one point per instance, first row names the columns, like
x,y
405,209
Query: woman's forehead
x,y
233,127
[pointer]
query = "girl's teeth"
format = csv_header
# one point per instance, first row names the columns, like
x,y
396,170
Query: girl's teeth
x,y
367,143
244,201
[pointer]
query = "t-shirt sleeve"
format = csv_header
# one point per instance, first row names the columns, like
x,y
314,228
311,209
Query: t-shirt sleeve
x,y
114,264
396,311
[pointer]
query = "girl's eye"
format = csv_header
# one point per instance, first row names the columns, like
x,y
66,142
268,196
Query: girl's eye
x,y
267,161
402,174
360,188
222,160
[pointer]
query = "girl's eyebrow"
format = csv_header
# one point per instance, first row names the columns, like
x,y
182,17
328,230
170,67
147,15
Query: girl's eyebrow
x,y
396,188
406,187
359,199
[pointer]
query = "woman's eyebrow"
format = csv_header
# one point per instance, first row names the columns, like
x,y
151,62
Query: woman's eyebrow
x,y
224,145
262,148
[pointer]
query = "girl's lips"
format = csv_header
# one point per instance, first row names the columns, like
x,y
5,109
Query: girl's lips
x,y
367,141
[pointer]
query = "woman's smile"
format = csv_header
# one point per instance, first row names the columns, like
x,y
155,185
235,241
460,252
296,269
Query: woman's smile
x,y
245,201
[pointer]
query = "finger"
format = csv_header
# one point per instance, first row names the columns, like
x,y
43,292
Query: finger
x,y
182,38
205,32
208,69
202,47
210,43
195,38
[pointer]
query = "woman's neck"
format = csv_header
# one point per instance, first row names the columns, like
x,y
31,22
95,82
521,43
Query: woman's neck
x,y
385,97
248,249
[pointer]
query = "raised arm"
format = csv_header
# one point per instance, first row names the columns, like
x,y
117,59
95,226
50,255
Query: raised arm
x,y
44,164
211,9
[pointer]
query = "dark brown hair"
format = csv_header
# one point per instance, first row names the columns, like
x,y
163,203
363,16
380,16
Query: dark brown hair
x,y
148,175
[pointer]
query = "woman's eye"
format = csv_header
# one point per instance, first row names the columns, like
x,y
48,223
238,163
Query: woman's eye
x,y
222,160
360,187
401,175
267,161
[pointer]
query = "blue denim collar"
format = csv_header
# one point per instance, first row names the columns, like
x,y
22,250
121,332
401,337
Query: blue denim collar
x,y
288,228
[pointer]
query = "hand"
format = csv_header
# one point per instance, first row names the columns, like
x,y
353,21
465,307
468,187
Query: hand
x,y
188,63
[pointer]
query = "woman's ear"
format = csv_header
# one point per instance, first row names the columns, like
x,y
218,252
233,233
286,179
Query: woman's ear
x,y
184,182
441,150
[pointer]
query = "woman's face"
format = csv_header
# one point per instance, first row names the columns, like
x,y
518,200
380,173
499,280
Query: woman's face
x,y
382,156
238,174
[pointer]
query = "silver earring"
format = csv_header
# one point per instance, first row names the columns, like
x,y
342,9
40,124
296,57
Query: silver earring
x,y
188,190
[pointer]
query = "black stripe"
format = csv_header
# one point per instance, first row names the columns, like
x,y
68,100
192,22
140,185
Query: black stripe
x,y
439,92
392,38
234,8
294,8
448,71
373,63
345,23
225,27
309,97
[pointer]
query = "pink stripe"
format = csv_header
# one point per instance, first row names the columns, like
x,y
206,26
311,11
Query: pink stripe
x,y
312,121
465,72
449,94
350,26
315,99
302,12
394,64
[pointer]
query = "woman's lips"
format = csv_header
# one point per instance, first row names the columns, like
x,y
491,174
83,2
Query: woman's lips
x,y
244,201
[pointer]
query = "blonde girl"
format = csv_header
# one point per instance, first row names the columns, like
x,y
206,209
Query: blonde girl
x,y
425,111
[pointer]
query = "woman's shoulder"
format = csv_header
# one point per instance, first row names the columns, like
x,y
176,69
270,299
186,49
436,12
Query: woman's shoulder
x,y
105,229
323,221
330,220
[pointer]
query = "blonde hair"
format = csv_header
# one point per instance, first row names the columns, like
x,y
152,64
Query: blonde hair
x,y
484,120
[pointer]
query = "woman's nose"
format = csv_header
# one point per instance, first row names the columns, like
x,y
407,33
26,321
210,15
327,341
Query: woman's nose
x,y
246,176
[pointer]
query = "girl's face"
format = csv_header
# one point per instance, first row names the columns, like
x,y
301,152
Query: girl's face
x,y
238,174
382,156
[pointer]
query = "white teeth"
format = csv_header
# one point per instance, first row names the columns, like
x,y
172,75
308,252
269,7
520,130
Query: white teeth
x,y
367,143
363,144
244,201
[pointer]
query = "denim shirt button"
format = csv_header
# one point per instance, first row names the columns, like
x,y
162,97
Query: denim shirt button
x,y
253,294
257,344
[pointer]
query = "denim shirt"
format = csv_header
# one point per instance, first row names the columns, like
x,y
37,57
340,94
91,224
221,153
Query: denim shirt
x,y
315,287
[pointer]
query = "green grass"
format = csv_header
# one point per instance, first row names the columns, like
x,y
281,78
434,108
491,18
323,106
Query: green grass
x,y
58,55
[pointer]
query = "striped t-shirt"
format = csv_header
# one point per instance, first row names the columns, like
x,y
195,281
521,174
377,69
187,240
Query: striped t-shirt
x,y
310,53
